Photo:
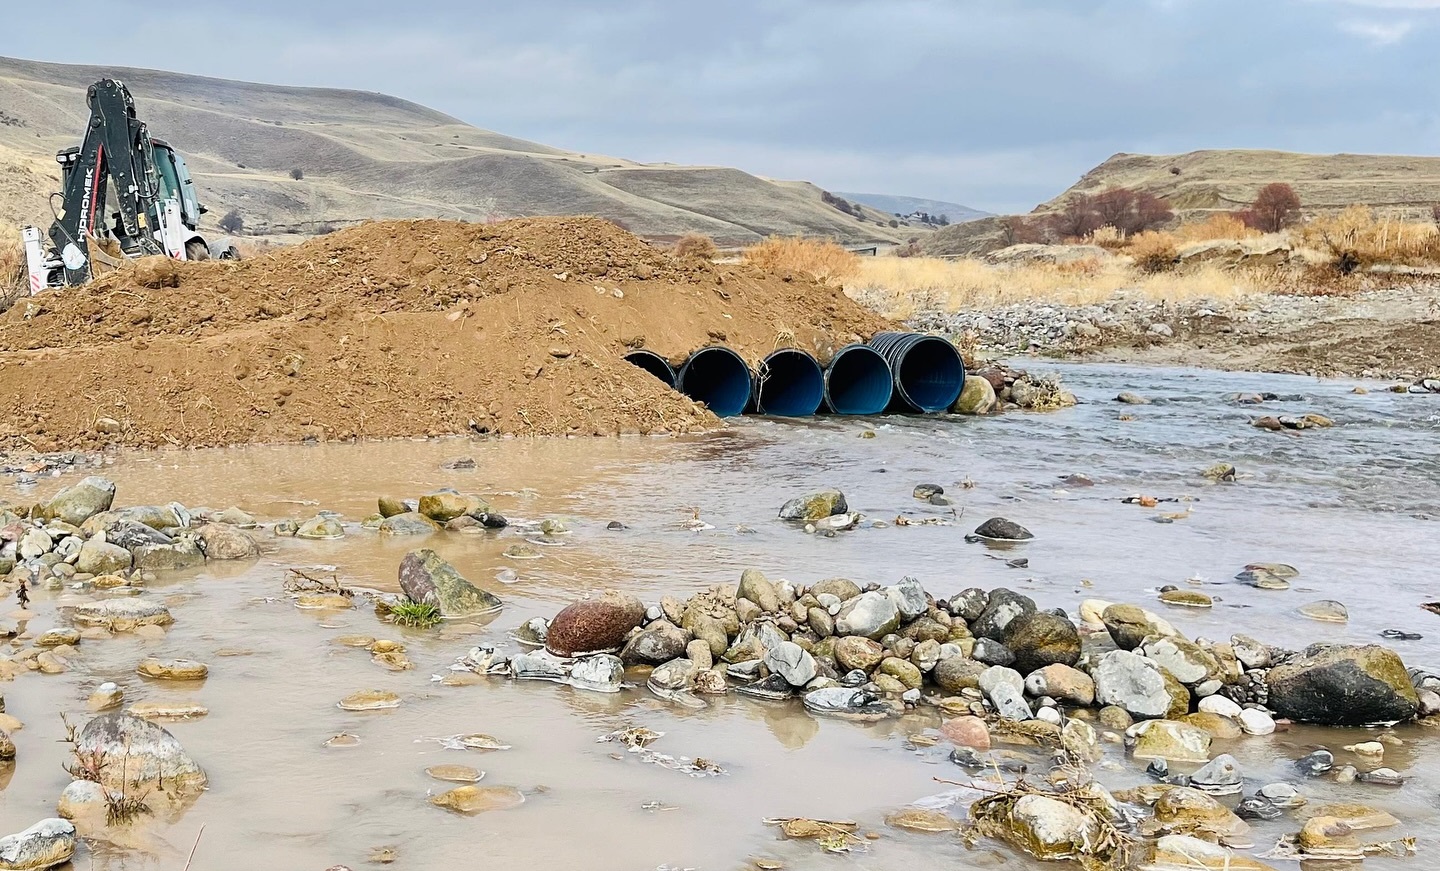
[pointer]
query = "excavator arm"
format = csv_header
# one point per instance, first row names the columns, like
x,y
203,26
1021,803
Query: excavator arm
x,y
116,150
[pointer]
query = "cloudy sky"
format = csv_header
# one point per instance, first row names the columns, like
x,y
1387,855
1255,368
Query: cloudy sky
x,y
997,104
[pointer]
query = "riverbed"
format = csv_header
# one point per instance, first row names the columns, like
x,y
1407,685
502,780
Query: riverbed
x,y
1353,507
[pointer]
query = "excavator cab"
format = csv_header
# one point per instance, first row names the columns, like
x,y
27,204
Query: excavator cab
x,y
176,183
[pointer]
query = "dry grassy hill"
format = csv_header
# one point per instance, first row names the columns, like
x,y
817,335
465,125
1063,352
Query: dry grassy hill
x,y
1399,186
366,156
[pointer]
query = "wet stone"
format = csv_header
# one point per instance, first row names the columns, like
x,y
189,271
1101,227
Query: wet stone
x,y
1326,611
1000,529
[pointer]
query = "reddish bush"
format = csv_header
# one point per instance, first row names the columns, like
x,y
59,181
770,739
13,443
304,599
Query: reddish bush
x,y
1276,207
1019,230
1077,220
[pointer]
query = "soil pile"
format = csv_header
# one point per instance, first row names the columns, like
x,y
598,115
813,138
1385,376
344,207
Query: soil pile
x,y
395,329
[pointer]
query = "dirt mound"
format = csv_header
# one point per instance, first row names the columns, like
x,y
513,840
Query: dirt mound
x,y
395,329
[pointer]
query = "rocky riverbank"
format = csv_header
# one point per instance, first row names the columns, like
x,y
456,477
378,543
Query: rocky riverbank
x,y
1386,334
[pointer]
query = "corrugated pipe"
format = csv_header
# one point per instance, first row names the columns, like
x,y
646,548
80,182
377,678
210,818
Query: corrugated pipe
x,y
654,364
858,381
717,377
789,383
929,373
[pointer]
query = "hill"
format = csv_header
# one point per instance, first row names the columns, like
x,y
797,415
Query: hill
x,y
894,205
369,156
1400,186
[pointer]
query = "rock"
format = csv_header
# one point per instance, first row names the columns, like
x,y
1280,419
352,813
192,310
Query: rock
x,y
479,799
140,755
1186,598
121,615
1128,625
44,845
107,695
455,773
603,673
1329,838
1002,606
976,397
1326,611
390,506
957,673
444,505
593,625
369,700
1220,705
1251,653
820,622
841,588
1219,776
1183,659
708,629
915,819
321,528
871,615
539,665
814,506
926,655
966,732
1186,853
1050,829
34,543
163,711
222,541
425,577
902,670
854,652
1131,682
81,799
1129,398
408,523
182,553
1040,639
992,653
1079,739
1010,702
791,662
1254,722
233,516
1000,529
659,642
1172,741
909,598
173,669
1062,682
698,652
1181,808
969,604
846,703
758,589
1343,685
57,637
81,501
129,534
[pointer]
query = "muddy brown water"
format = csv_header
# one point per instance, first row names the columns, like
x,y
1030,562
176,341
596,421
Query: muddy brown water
x,y
1352,507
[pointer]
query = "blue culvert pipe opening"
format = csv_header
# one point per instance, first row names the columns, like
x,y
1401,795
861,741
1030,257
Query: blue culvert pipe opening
x,y
654,364
790,383
717,377
929,373
858,381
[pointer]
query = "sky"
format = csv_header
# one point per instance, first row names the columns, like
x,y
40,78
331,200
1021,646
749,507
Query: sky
x,y
995,104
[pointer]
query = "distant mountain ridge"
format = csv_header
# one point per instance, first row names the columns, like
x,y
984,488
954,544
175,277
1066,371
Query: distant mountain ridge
x,y
299,160
910,205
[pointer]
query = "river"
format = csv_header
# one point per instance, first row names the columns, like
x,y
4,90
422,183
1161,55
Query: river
x,y
1353,507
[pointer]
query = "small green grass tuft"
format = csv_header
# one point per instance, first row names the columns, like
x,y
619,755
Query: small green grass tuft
x,y
419,615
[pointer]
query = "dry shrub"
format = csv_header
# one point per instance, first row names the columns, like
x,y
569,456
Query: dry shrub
x,y
696,245
825,260
1355,238
1154,252
1108,237
14,281
1225,225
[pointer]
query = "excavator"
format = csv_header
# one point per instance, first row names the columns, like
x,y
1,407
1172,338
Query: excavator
x,y
156,210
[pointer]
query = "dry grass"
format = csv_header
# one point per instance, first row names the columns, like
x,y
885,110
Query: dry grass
x,y
900,287
1355,238
1221,226
825,260
1153,251
696,245
14,283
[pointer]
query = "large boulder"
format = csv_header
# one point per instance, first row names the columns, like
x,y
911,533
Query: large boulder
x,y
1002,606
1041,639
977,397
1131,682
956,673
44,845
1128,625
425,577
121,615
182,553
1050,829
814,506
843,589
657,644
871,615
99,557
81,501
1344,685
408,523
444,505
128,755
222,541
593,625
758,589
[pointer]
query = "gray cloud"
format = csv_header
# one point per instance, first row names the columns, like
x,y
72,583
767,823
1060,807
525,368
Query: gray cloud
x,y
995,104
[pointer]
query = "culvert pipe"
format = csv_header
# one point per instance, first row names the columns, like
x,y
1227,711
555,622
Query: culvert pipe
x,y
789,383
929,373
858,381
716,376
654,364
